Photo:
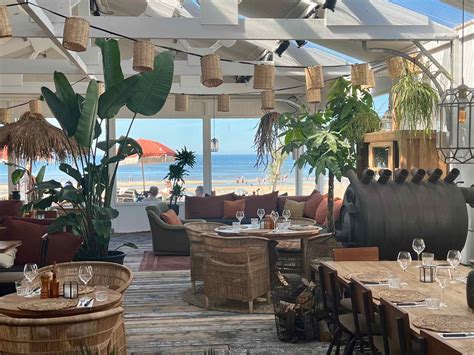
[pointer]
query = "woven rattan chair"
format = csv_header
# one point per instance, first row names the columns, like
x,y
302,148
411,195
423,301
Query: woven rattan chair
x,y
94,333
194,231
316,249
236,268
116,277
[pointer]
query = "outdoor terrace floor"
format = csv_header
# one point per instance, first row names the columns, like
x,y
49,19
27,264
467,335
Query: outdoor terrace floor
x,y
157,321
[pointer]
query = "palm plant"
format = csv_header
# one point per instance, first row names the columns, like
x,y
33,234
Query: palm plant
x,y
81,118
177,171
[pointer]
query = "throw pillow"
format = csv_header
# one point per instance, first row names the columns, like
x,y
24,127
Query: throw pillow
x,y
62,247
30,234
208,207
231,208
253,202
171,217
7,259
336,210
312,204
321,212
296,208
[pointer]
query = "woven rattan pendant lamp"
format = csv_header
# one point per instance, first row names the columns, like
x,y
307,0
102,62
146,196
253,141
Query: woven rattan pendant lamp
x,y
5,115
268,100
181,102
35,106
76,34
143,56
362,74
395,67
5,27
223,103
264,76
313,95
211,72
314,77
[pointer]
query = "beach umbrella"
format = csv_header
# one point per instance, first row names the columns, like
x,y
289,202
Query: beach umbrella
x,y
153,153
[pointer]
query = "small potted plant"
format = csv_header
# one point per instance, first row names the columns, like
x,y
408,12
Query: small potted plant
x,y
177,171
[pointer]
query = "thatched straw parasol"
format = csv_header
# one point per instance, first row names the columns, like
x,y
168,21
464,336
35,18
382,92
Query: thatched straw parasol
x,y
32,138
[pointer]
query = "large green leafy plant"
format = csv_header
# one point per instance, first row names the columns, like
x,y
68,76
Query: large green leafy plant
x,y
94,169
331,136
177,171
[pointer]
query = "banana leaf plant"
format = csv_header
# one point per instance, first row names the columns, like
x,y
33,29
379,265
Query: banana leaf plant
x,y
93,170
20,172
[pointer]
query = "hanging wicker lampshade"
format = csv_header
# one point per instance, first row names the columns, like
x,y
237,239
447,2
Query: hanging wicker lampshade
x,y
76,34
35,106
268,100
223,103
371,80
100,87
143,56
362,74
264,76
410,66
211,73
5,115
396,67
313,95
5,28
314,77
181,102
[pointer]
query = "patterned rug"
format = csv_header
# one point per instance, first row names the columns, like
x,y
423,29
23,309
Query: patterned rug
x,y
150,262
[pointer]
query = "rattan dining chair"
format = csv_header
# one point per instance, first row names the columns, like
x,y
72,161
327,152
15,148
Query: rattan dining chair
x,y
236,268
95,333
117,277
195,231
316,249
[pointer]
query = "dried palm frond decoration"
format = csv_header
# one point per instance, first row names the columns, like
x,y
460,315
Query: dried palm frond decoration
x,y
211,72
76,34
181,102
5,115
223,103
5,27
266,137
264,76
268,100
35,106
314,77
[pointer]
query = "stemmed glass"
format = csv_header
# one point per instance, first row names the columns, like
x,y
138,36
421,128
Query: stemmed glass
x,y
442,276
286,215
261,214
240,216
418,246
85,274
404,259
454,258
30,271
274,216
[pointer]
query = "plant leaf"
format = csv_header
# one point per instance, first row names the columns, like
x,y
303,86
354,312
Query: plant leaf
x,y
113,99
17,175
110,61
72,172
86,126
40,175
60,111
68,97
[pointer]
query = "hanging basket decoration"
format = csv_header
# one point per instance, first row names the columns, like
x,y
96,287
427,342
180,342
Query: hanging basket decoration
x,y
314,77
211,73
264,76
313,95
76,34
100,87
5,115
181,102
35,106
268,100
396,67
223,103
143,56
362,74
5,27
410,65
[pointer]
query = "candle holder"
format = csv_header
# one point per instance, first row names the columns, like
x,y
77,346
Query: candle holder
x,y
427,273
70,289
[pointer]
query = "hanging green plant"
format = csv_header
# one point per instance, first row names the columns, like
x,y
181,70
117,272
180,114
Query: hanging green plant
x,y
414,104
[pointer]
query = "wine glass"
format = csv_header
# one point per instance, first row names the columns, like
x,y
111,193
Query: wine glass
x,y
454,258
274,216
240,216
286,215
85,274
404,259
418,246
442,276
261,214
30,271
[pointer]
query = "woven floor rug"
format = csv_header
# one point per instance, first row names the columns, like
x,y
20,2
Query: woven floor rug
x,y
150,262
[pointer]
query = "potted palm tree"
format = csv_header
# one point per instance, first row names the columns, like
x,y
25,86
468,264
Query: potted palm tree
x,y
94,168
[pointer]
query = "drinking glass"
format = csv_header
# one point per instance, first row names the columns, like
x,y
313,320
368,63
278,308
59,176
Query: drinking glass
x,y
85,274
30,271
261,214
20,288
454,258
427,259
404,259
240,216
235,226
254,222
274,216
442,277
286,215
418,246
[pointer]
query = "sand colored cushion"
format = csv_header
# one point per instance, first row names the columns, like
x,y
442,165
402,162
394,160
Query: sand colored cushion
x,y
205,207
30,234
268,202
62,247
231,208
171,217
10,208
282,198
312,204
7,259
336,210
296,208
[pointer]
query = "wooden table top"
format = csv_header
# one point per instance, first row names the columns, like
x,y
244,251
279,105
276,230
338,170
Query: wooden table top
x,y
267,233
8,244
455,294
9,306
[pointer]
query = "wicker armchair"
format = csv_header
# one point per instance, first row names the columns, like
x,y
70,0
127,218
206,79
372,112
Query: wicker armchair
x,y
316,249
236,268
116,277
95,333
194,231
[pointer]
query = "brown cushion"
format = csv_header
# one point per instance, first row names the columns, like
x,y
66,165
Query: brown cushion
x,y
62,247
296,208
312,204
321,212
231,208
268,202
282,198
205,207
336,210
30,234
171,217
10,208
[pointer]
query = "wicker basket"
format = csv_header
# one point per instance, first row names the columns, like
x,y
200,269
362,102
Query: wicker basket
x,y
396,67
314,77
143,56
76,34
5,115
361,74
264,76
5,28
211,73
410,66
313,95
223,103
268,100
181,102
35,106
100,87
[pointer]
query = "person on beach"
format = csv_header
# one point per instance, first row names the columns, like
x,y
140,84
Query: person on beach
x,y
199,192
152,193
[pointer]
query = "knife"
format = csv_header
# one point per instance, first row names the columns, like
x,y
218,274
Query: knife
x,y
410,304
88,302
457,335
